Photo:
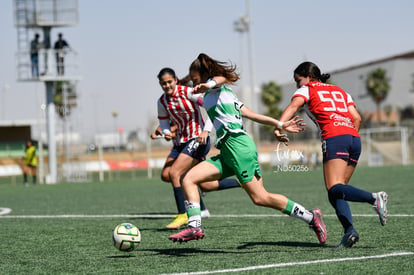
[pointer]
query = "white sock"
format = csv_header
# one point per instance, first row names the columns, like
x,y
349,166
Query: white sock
x,y
300,212
194,214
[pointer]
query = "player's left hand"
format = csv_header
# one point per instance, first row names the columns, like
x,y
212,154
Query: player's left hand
x,y
295,125
201,88
202,138
155,136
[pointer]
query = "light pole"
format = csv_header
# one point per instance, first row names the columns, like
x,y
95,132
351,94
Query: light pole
x,y
117,142
5,88
243,25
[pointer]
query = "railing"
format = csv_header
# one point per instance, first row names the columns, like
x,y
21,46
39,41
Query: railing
x,y
37,13
52,65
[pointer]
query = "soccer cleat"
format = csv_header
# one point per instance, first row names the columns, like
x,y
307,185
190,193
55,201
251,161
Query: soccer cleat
x,y
205,213
380,206
180,220
348,240
188,234
318,225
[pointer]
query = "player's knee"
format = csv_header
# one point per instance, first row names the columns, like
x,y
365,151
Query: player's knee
x,y
165,177
334,193
185,181
258,200
188,181
175,174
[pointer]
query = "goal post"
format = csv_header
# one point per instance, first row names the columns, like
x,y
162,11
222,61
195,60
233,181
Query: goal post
x,y
385,146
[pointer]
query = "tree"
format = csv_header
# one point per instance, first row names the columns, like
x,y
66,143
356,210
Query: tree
x,y
64,98
378,86
271,96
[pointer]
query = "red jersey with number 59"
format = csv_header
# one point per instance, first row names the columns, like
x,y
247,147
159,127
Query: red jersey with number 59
x,y
328,107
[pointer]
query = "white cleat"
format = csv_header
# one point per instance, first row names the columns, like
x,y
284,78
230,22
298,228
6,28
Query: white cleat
x,y
380,206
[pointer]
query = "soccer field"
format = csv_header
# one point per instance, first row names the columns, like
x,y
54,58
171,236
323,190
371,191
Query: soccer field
x,y
66,228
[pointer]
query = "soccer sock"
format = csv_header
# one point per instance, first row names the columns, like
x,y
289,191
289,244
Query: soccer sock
x,y
342,210
179,199
24,178
34,179
194,214
228,183
296,210
351,193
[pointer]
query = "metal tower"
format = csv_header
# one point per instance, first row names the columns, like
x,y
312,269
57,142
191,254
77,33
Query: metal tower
x,y
31,16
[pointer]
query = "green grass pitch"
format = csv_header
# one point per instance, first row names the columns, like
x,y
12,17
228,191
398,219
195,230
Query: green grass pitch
x,y
66,229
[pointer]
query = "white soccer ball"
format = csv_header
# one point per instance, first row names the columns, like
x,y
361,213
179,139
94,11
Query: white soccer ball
x,y
126,237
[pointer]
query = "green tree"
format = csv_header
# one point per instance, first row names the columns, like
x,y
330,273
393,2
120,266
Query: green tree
x,y
64,98
271,96
378,86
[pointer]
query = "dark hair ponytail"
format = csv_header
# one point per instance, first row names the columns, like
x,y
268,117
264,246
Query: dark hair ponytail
x,y
324,77
208,68
310,69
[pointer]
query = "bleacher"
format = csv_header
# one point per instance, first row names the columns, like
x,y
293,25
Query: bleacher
x,y
11,150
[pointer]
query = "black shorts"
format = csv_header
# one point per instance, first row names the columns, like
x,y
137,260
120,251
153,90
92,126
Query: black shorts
x,y
345,147
191,148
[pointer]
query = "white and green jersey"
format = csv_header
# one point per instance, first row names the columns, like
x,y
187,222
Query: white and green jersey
x,y
223,109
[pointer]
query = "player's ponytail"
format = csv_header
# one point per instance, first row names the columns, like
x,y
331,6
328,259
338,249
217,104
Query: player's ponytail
x,y
324,77
209,67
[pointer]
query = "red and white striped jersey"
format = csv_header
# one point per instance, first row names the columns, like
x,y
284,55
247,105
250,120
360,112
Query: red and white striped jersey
x,y
182,109
327,105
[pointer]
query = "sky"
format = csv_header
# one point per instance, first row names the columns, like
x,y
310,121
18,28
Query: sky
x,y
122,45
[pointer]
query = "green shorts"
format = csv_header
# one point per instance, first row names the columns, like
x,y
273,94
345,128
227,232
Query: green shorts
x,y
238,156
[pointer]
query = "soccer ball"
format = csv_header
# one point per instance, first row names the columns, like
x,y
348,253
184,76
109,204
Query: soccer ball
x,y
126,237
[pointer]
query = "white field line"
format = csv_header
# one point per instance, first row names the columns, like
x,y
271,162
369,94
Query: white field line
x,y
171,215
232,270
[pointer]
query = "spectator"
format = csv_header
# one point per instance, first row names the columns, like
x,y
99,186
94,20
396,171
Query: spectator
x,y
34,55
60,45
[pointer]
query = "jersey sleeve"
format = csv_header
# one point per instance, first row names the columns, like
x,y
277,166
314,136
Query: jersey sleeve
x,y
208,125
162,112
196,98
302,92
350,101
163,118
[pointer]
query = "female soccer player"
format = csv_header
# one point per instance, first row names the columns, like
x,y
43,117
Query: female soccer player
x,y
238,153
191,142
334,112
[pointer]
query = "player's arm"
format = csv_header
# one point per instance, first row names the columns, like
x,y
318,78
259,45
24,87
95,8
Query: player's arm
x,y
293,125
215,82
355,116
166,129
296,103
173,129
353,111
157,133
208,126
